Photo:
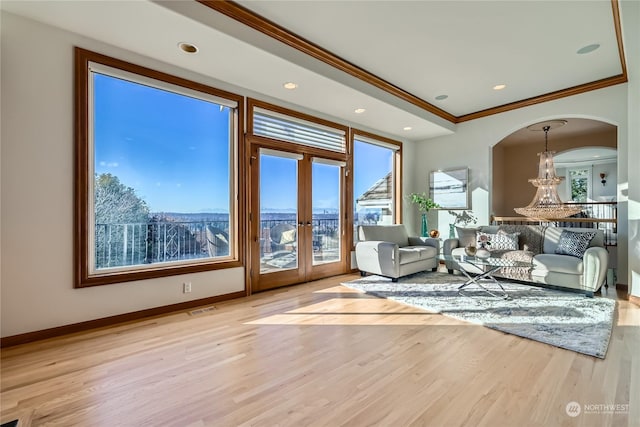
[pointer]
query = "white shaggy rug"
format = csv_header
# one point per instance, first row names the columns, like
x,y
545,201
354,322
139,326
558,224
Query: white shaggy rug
x,y
564,319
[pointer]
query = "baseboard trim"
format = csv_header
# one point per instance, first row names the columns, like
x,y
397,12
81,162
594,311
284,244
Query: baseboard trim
x,y
634,300
112,320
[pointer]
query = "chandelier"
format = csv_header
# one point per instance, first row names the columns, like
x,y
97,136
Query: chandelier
x,y
546,204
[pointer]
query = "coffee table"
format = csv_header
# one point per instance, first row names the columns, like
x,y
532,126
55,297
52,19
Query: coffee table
x,y
482,269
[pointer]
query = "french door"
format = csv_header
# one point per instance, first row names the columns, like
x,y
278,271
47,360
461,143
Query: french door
x,y
297,224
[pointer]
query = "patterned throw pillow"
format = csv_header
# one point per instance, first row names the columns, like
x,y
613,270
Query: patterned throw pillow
x,y
505,241
574,243
502,241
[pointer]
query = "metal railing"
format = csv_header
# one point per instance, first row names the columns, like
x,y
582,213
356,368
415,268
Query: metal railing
x,y
125,244
325,232
600,215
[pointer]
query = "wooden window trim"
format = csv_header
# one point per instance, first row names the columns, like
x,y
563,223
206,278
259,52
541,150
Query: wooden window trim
x,y
82,278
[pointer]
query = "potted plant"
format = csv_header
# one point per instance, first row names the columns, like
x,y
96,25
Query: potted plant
x,y
425,204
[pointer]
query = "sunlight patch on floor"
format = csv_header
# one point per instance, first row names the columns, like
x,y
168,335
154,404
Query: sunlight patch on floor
x,y
339,290
337,311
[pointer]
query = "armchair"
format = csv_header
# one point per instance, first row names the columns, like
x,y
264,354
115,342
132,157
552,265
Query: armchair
x,y
387,250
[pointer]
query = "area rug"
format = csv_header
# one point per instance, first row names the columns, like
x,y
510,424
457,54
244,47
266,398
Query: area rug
x,y
563,319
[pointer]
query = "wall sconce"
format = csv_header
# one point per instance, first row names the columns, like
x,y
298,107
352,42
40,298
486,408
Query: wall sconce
x,y
602,178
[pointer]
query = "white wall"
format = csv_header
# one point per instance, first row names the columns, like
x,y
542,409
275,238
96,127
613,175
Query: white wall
x,y
630,185
37,193
410,214
472,143
599,192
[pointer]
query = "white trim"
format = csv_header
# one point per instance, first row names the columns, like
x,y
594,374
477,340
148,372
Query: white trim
x,y
91,173
282,154
323,161
158,84
373,141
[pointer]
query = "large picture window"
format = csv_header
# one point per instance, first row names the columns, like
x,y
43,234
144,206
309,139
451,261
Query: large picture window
x,y
157,173
376,180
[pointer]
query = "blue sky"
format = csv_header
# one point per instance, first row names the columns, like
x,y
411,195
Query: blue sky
x,y
370,163
173,150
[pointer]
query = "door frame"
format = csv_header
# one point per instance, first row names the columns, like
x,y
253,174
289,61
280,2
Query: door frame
x,y
306,271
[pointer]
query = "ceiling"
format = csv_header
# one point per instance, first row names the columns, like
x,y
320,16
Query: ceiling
x,y
392,58
589,155
573,128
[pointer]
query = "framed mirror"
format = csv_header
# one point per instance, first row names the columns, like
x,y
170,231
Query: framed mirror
x,y
450,188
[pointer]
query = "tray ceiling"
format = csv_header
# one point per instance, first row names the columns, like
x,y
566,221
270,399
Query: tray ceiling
x,y
420,49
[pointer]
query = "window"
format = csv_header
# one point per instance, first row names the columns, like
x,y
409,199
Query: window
x,y
579,180
376,180
157,173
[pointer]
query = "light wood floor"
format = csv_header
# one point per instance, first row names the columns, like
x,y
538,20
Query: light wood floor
x,y
316,354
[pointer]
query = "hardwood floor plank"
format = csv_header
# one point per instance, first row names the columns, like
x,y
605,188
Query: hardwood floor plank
x,y
316,354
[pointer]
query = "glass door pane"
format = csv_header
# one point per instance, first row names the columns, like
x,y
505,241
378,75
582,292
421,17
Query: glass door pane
x,y
326,240
278,213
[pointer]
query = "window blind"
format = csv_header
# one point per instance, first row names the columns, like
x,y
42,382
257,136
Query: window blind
x,y
286,128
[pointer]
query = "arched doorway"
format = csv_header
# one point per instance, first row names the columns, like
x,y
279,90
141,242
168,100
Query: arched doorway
x,y
515,159
586,155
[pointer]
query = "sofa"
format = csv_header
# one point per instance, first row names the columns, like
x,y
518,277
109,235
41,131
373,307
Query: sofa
x,y
561,257
388,250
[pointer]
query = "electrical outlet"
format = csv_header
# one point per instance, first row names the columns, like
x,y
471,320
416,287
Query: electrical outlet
x,y
186,287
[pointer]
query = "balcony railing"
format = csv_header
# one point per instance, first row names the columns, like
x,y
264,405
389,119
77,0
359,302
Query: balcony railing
x,y
601,215
124,244
325,233
127,244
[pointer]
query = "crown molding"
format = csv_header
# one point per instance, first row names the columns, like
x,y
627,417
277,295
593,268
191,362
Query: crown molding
x,y
259,23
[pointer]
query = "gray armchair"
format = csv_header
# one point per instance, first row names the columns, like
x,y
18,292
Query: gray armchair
x,y
387,250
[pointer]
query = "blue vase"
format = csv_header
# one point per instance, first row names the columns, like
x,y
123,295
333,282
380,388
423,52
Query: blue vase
x,y
452,231
424,229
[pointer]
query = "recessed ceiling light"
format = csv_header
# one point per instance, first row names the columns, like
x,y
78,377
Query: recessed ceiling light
x,y
407,128
499,87
596,156
359,110
441,97
188,47
290,85
587,49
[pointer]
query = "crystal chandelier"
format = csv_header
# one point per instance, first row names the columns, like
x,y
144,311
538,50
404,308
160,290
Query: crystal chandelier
x,y
546,204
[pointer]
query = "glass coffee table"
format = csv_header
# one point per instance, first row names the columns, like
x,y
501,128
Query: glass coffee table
x,y
482,271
